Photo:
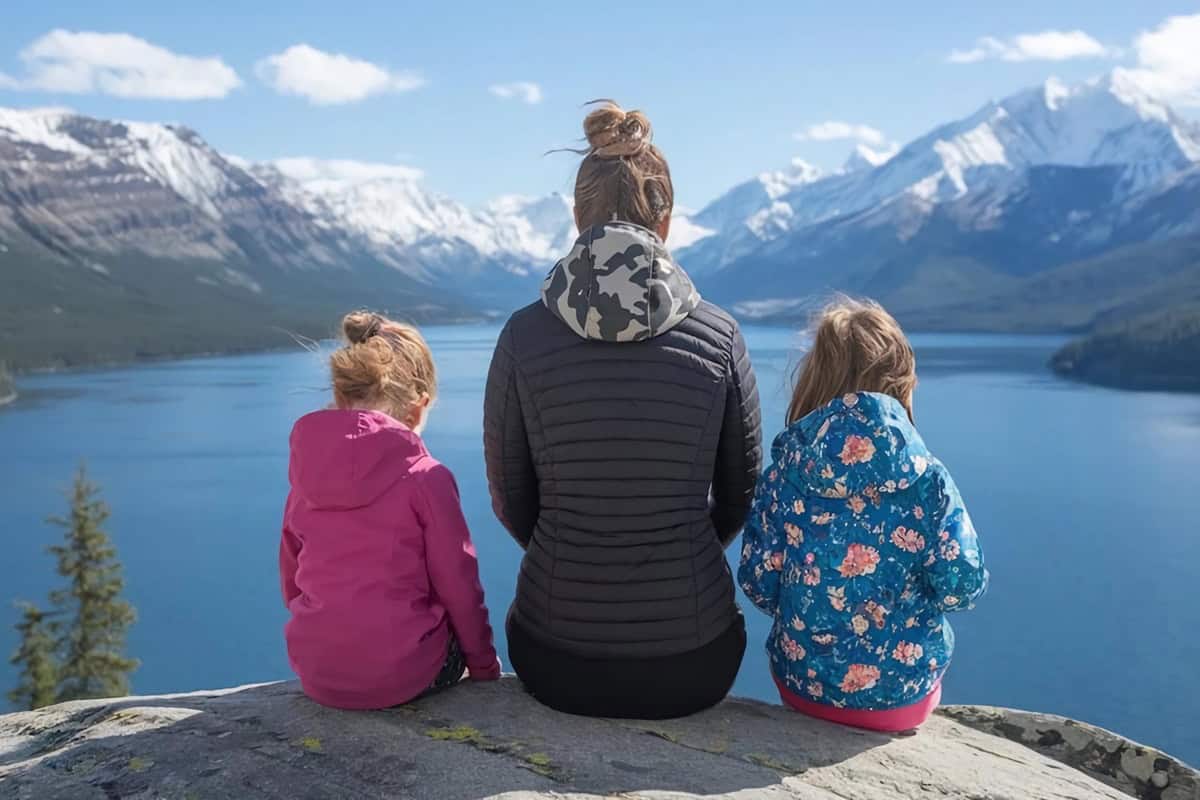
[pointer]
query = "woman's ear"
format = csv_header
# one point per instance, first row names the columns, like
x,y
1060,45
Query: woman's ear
x,y
664,228
578,220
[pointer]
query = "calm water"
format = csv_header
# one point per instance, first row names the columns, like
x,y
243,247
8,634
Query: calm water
x,y
1085,500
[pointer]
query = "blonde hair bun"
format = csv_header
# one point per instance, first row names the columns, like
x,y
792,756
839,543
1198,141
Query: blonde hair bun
x,y
385,365
613,132
358,326
623,176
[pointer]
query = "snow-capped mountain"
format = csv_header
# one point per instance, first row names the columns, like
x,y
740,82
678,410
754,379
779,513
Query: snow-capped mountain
x,y
88,188
93,191
153,219
1102,122
417,230
1046,175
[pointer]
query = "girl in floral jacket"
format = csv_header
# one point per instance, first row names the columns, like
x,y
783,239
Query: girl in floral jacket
x,y
858,543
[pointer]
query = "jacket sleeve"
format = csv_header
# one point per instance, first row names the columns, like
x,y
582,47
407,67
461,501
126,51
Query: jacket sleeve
x,y
955,575
762,551
454,571
289,551
512,480
739,450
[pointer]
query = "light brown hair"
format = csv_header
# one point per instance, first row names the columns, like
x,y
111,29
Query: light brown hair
x,y
623,175
857,346
385,365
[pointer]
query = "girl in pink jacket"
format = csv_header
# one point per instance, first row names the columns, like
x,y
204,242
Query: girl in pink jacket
x,y
376,561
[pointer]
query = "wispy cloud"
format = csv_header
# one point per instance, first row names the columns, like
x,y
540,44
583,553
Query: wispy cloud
x,y
331,78
833,130
1168,61
524,91
118,64
1043,46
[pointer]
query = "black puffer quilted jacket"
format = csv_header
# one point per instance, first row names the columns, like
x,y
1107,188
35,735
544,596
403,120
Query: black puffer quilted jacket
x,y
622,439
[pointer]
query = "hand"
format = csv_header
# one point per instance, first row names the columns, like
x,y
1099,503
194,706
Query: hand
x,y
492,673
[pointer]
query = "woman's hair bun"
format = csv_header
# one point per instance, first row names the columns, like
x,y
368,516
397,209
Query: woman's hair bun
x,y
359,326
613,132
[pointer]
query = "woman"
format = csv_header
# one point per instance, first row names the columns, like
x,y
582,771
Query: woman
x,y
621,433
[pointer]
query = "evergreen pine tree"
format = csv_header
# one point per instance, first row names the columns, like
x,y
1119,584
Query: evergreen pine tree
x,y
92,619
35,656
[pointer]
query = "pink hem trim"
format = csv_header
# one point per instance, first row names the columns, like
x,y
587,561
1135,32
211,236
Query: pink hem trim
x,y
890,720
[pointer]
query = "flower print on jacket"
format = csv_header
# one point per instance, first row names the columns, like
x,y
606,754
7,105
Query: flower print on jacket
x,y
876,612
860,560
792,649
859,677
856,450
811,572
887,550
908,653
908,540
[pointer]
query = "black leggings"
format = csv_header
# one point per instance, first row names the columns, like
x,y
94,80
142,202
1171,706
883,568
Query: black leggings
x,y
647,688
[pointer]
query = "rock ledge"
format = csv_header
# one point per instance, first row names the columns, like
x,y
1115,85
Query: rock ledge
x,y
491,740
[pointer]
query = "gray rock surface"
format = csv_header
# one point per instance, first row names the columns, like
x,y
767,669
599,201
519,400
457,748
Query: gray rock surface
x,y
491,740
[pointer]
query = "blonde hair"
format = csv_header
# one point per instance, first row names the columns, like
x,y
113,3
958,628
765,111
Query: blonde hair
x,y
857,346
623,176
384,365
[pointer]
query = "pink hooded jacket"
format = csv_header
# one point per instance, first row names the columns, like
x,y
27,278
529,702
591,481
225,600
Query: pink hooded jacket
x,y
376,563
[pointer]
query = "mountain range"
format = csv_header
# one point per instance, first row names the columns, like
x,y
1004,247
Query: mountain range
x,y
1058,208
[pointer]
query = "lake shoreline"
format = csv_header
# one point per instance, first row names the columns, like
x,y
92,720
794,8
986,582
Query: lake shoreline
x,y
1053,366
147,361
132,361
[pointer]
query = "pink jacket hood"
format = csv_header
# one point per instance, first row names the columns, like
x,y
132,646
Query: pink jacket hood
x,y
346,459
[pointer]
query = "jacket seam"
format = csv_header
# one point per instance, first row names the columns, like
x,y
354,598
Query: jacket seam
x,y
535,413
706,518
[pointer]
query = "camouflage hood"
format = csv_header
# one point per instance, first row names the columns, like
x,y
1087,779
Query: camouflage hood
x,y
619,284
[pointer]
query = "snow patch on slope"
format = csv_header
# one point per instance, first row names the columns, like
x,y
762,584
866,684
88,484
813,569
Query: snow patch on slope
x,y
40,126
194,173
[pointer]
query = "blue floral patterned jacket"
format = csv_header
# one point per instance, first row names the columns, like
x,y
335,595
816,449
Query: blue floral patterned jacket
x,y
858,544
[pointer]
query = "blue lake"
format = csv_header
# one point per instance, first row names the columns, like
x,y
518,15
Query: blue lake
x,y
1085,499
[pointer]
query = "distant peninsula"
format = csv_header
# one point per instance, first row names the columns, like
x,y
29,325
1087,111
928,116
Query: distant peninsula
x,y
8,387
1158,351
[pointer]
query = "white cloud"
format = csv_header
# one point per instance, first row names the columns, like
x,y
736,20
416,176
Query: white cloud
x,y
331,78
121,65
338,173
832,131
526,92
1043,46
1168,61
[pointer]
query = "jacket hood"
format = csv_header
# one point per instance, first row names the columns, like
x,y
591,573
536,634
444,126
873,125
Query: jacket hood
x,y
858,443
619,284
345,459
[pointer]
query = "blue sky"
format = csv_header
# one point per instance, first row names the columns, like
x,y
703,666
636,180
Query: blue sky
x,y
727,85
